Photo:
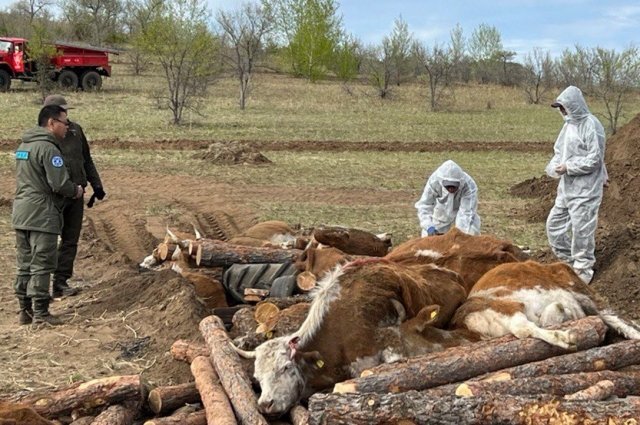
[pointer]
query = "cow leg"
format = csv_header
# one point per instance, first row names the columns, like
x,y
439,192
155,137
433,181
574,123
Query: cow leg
x,y
520,326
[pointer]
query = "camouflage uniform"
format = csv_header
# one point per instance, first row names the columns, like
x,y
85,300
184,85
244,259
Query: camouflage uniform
x,y
42,183
77,158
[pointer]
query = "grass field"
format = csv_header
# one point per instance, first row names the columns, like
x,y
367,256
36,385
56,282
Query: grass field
x,y
282,108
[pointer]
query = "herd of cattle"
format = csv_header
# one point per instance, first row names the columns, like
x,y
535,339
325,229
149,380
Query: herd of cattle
x,y
371,306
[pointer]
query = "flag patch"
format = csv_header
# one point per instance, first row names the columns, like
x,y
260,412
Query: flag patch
x,y
22,154
57,161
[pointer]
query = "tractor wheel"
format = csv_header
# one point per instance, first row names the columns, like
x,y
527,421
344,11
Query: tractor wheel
x,y
68,80
5,80
91,81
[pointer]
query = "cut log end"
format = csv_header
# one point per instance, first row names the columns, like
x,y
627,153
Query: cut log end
x,y
266,312
463,390
306,281
342,388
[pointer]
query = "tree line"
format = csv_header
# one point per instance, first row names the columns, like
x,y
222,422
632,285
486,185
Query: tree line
x,y
307,39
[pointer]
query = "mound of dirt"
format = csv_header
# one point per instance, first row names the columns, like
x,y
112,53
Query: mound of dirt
x,y
543,190
617,238
232,154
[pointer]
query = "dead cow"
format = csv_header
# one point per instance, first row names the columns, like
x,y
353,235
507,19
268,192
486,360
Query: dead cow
x,y
353,241
337,340
268,233
521,298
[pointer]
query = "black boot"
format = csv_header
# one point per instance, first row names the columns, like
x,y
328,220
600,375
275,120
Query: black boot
x,y
26,311
62,289
41,314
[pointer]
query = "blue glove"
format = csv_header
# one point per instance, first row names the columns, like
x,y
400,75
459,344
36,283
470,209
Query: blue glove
x,y
431,231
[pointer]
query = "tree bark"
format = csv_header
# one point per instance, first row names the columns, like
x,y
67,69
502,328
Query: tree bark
x,y
299,415
227,313
212,253
196,418
166,250
610,357
215,401
625,384
186,351
95,393
464,362
85,420
355,409
232,375
167,399
601,390
115,415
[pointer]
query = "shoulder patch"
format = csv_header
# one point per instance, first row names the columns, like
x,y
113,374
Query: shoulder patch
x,y
57,161
22,154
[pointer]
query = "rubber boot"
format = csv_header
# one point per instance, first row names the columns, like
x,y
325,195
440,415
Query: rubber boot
x,y
25,316
41,314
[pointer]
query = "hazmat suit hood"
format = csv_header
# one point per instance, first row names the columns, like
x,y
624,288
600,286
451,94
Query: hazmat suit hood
x,y
450,174
573,102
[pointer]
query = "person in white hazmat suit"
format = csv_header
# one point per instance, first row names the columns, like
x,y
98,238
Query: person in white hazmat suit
x,y
578,163
449,197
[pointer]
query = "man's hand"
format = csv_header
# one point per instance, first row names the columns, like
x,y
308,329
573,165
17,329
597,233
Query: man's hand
x,y
99,192
561,169
79,192
431,231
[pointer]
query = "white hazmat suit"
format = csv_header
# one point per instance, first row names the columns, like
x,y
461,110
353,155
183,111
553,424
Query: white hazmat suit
x,y
578,162
438,209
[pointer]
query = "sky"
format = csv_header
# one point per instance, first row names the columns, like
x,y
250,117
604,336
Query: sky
x,y
523,24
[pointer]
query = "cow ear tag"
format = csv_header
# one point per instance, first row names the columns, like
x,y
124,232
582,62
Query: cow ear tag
x,y
269,335
320,363
434,314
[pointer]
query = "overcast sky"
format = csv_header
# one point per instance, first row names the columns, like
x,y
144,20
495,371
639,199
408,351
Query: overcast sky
x,y
523,24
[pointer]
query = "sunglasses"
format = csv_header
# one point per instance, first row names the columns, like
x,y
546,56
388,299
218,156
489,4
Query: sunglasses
x,y
65,123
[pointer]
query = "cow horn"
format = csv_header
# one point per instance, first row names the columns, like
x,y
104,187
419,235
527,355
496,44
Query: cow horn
x,y
244,354
172,236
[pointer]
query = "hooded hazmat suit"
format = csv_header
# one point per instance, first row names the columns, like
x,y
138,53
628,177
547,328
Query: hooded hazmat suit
x,y
440,209
580,148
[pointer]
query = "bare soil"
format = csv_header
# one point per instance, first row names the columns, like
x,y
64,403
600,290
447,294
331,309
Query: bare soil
x,y
617,269
125,320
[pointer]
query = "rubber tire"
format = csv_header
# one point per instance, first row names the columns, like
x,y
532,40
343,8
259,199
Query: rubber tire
x,y
91,81
283,286
5,81
68,80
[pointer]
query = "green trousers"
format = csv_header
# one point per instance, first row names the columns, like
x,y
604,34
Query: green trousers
x,y
72,212
36,257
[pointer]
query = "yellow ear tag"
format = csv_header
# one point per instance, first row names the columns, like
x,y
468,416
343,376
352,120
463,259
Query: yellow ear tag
x,y
320,363
269,335
434,314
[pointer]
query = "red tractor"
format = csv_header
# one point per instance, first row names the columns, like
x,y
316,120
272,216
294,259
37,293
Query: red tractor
x,y
74,66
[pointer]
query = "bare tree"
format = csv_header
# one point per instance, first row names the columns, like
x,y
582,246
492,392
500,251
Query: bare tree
x,y
244,31
438,64
539,78
378,66
33,8
617,78
577,68
179,38
93,20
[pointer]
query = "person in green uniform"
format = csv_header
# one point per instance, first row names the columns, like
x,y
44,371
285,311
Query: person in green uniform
x,y
82,170
42,183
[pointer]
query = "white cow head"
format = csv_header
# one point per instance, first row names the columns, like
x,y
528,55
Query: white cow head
x,y
283,372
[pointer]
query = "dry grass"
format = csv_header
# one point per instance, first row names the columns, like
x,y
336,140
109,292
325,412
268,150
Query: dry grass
x,y
283,108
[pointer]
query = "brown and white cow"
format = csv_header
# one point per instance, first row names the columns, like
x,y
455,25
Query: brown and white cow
x,y
267,233
339,337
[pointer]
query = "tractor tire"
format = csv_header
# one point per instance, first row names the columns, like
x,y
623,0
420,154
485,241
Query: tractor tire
x,y
91,81
68,80
5,80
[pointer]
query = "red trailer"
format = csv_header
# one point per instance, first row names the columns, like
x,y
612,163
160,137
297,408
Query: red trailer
x,y
74,66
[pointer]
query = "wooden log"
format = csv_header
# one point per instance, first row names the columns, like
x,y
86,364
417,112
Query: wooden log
x,y
601,390
186,351
306,281
95,393
232,375
166,250
460,363
85,420
625,384
610,357
261,293
355,409
227,313
211,253
193,247
299,415
216,403
265,312
116,415
195,418
167,399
